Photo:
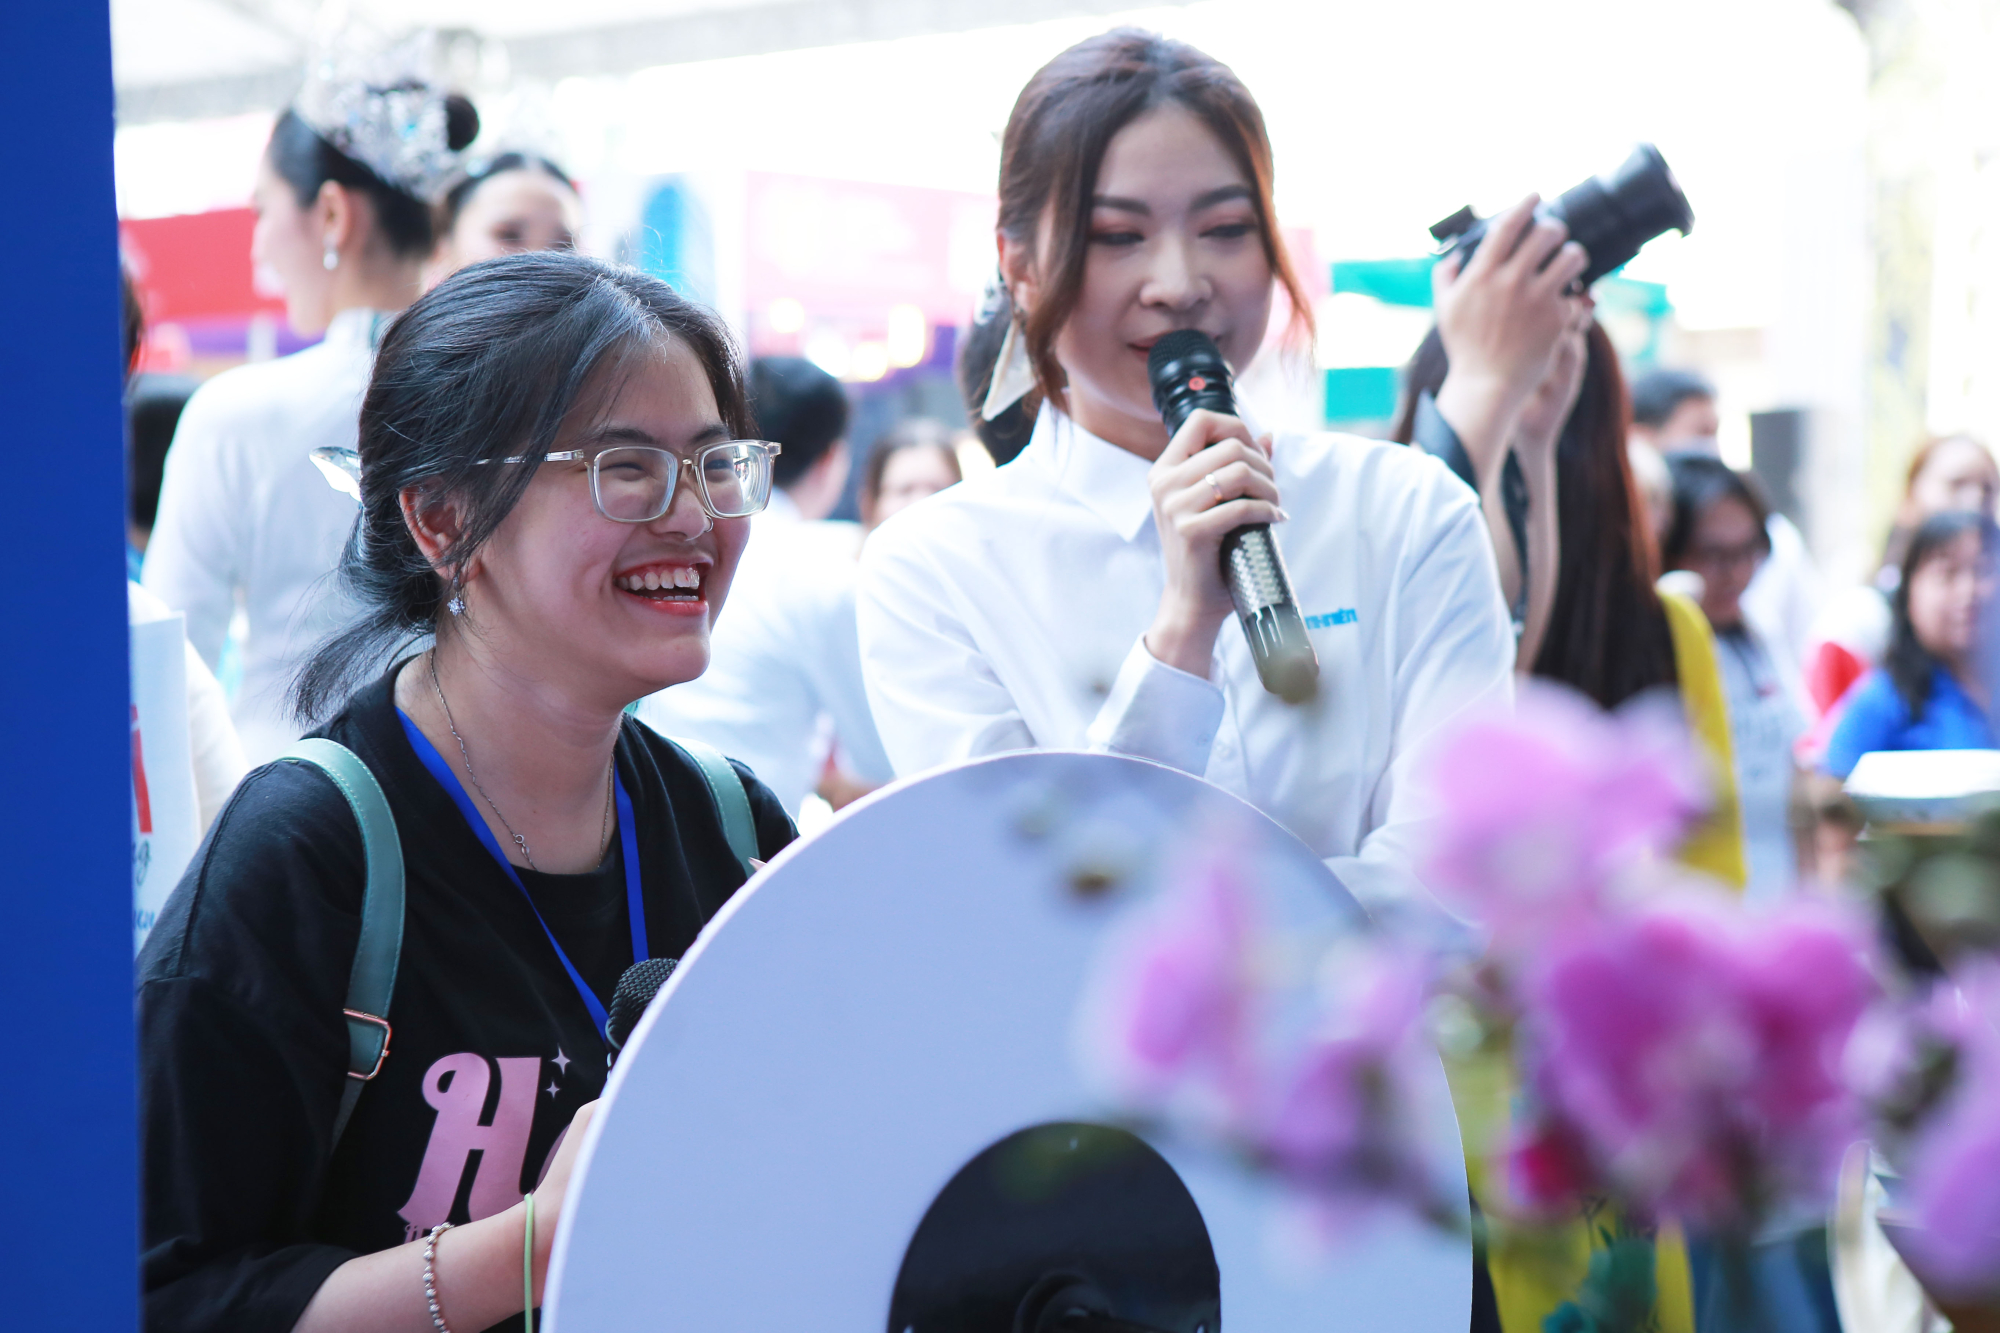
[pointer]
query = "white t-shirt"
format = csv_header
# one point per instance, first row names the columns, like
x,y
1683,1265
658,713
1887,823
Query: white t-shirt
x,y
1764,724
1783,602
215,754
784,673
1008,612
245,515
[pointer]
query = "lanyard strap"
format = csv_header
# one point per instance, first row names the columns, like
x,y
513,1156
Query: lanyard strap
x,y
628,836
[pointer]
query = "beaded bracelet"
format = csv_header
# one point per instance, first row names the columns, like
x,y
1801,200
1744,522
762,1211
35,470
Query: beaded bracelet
x,y
430,1275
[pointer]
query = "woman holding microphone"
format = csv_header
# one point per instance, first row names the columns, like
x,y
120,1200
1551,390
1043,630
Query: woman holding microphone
x,y
1073,598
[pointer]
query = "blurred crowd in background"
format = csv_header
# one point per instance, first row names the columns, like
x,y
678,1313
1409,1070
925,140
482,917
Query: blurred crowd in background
x,y
1792,505
1768,446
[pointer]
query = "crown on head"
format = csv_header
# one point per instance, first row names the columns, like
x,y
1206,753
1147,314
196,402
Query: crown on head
x,y
380,107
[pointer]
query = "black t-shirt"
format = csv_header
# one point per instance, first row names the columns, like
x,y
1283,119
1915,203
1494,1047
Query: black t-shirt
x,y
243,1050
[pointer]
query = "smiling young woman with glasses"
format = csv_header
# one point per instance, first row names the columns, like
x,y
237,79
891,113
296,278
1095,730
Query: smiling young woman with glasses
x,y
555,491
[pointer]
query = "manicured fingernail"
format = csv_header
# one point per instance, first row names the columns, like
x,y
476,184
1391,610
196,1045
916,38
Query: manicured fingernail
x,y
1283,517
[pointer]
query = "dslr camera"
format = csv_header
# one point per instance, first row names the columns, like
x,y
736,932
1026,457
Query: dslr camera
x,y
1610,216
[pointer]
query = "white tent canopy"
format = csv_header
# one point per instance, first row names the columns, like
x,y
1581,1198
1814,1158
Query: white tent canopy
x,y
188,59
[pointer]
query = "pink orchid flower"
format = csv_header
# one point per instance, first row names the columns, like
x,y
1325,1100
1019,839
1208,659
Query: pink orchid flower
x,y
1341,1114
1543,805
1174,1002
1954,1160
1693,1051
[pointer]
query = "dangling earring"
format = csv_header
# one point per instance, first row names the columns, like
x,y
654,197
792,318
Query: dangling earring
x,y
1013,373
331,259
456,605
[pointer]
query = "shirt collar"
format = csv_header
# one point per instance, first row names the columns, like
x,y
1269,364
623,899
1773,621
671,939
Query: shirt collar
x,y
1108,481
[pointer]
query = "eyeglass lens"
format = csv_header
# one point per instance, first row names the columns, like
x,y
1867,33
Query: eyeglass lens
x,y
736,479
635,483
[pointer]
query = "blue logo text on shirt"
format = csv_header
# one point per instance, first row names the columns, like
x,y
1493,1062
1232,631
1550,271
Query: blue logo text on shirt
x,y
1344,616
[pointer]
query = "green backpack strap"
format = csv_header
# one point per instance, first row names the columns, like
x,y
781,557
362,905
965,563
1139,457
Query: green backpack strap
x,y
372,981
732,803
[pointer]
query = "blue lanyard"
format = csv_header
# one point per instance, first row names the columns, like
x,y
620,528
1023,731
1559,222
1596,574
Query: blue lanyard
x,y
628,837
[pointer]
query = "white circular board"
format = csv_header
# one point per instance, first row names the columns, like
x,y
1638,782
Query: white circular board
x,y
894,995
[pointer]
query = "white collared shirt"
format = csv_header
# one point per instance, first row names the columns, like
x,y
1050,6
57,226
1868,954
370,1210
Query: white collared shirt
x,y
784,668
245,514
1008,612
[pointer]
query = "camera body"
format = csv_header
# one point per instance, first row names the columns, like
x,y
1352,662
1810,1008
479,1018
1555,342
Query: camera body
x,y
1610,216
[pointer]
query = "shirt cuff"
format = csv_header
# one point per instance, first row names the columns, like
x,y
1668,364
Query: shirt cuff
x,y
1430,432
1160,713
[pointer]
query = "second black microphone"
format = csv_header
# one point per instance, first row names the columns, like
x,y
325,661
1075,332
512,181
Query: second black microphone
x,y
1187,373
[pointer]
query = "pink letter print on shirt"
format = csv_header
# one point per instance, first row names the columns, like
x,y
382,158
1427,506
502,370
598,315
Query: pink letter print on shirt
x,y
456,1085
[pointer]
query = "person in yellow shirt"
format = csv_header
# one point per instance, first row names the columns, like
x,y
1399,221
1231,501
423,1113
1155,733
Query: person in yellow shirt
x,y
1606,632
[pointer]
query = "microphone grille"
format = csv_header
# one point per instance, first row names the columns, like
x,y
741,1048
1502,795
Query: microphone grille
x,y
636,989
1180,346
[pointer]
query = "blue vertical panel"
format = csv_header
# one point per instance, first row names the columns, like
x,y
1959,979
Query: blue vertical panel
x,y
676,241
68,1232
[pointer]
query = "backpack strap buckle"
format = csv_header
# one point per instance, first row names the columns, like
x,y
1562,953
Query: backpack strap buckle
x,y
355,1037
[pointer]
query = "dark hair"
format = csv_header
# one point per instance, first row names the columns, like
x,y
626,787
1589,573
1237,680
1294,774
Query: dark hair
x,y
493,360
131,319
152,412
909,433
1607,634
1910,665
1424,375
460,191
801,407
1007,434
1658,394
305,161
1701,480
1061,124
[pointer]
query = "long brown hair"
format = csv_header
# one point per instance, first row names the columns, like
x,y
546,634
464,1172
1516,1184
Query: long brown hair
x,y
1063,121
1897,545
1608,634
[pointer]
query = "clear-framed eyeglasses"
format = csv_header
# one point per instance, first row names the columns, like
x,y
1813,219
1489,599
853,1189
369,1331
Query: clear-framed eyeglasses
x,y
632,483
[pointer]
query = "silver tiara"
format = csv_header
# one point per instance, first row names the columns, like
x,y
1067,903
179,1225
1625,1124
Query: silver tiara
x,y
379,105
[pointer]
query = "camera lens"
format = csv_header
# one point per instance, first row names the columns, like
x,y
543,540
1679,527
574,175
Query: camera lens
x,y
1611,216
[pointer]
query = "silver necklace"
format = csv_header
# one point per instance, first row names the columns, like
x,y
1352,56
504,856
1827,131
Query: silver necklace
x,y
604,826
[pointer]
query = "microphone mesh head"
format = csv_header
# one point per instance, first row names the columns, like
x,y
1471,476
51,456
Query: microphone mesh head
x,y
636,989
1180,345
1187,371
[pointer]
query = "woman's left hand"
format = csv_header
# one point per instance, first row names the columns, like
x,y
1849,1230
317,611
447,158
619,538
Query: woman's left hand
x,y
553,1189
1548,409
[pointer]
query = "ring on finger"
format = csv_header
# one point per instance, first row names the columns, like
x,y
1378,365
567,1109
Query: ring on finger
x,y
1215,486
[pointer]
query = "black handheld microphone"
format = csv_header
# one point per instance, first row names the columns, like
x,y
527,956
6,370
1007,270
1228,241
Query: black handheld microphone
x,y
1188,372
636,989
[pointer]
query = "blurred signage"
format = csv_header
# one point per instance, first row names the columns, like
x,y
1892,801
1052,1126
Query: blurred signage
x,y
856,249
195,266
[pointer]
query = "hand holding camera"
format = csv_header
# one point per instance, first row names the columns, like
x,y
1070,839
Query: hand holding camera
x,y
1548,407
1503,280
1502,313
